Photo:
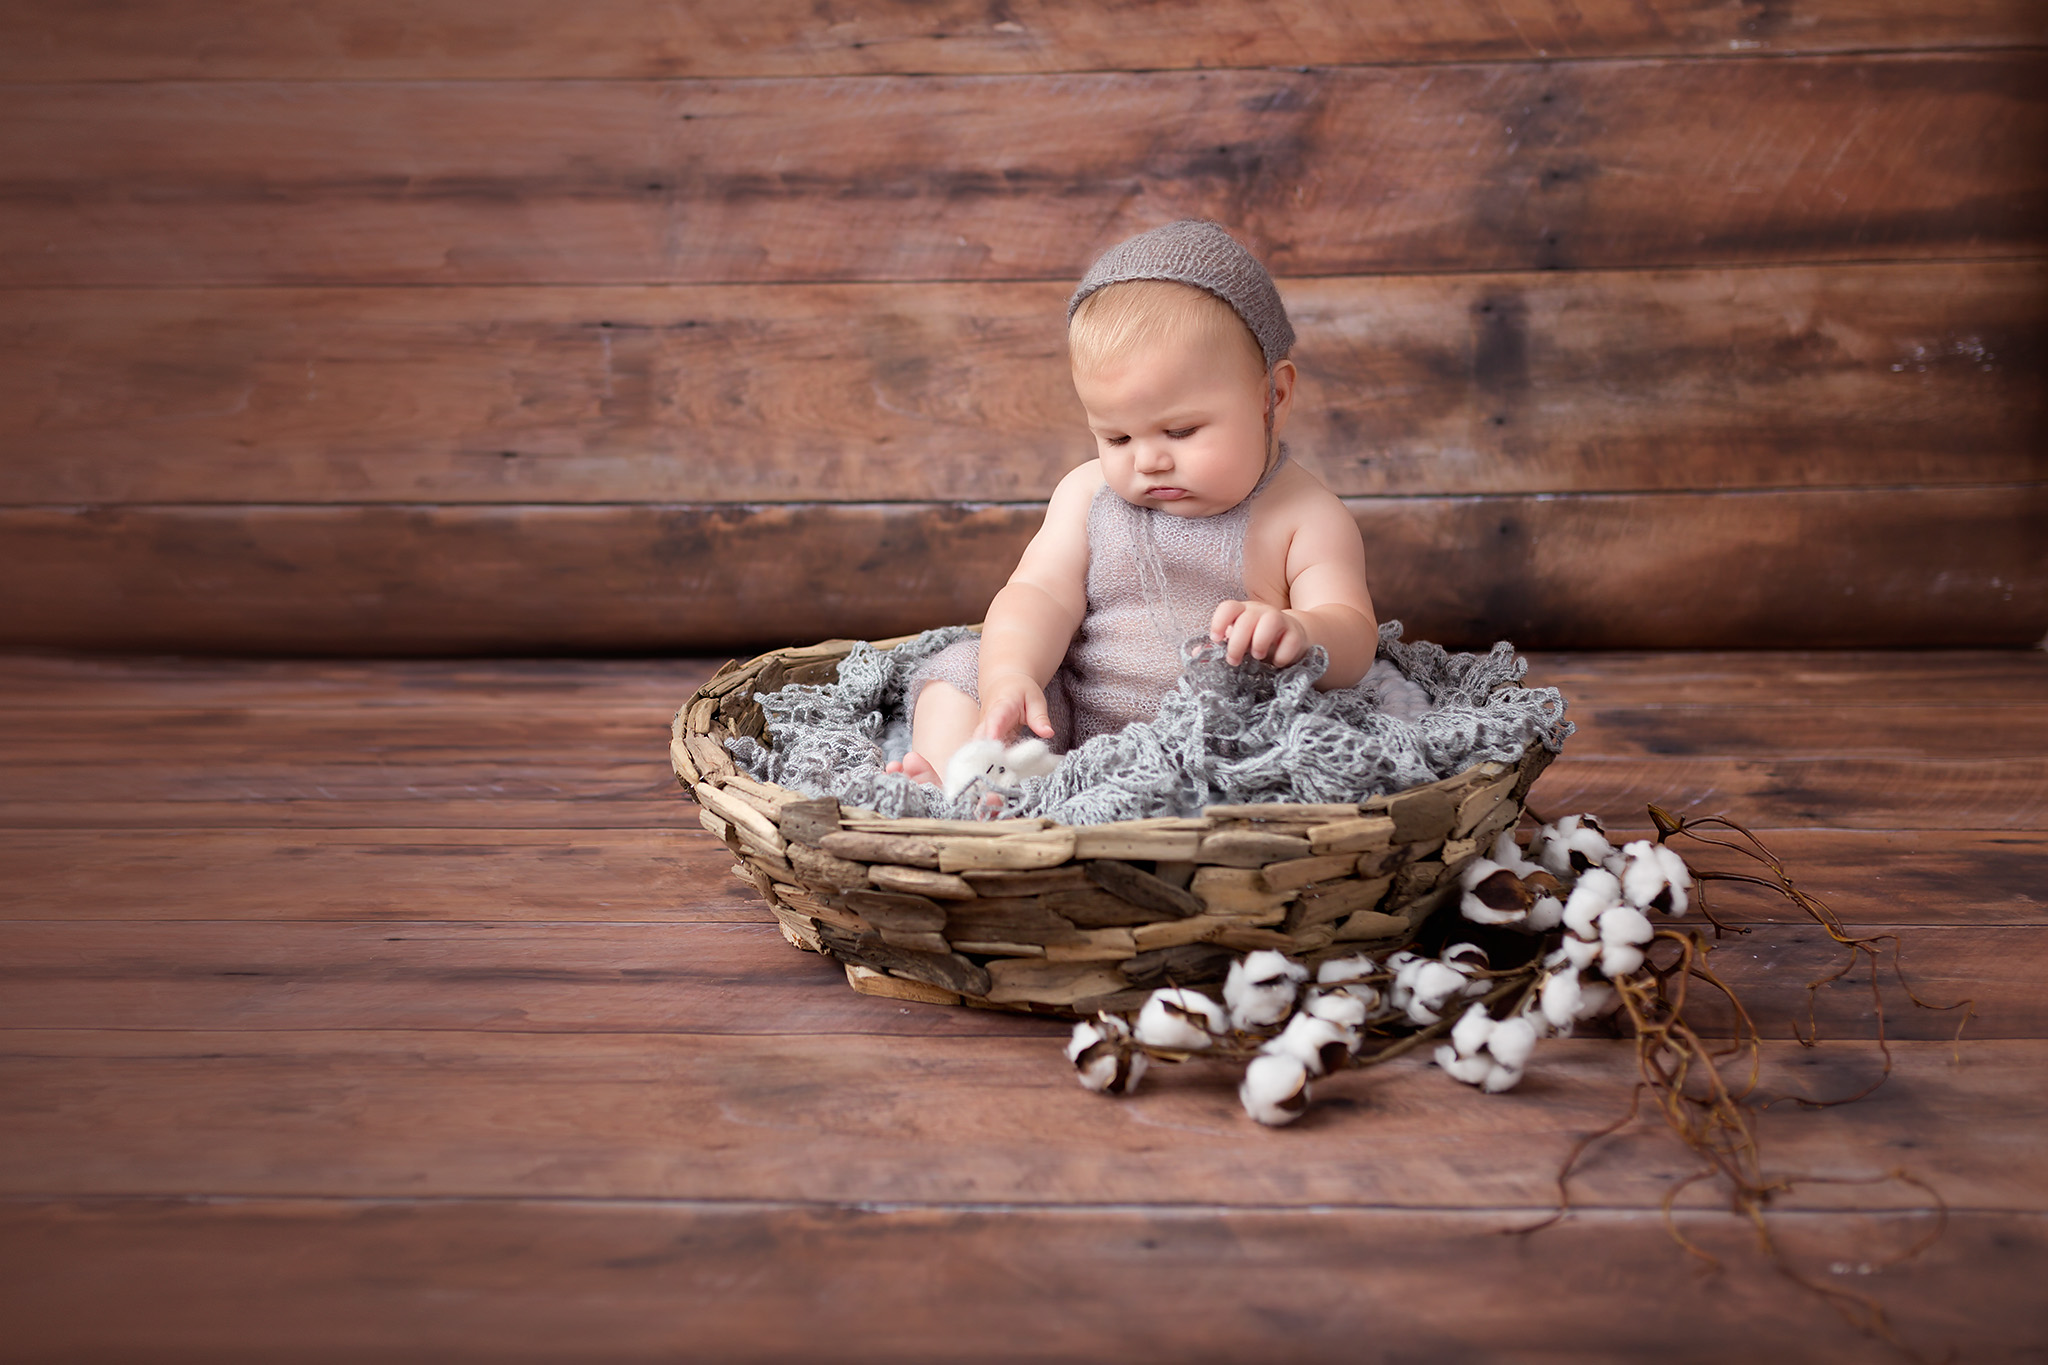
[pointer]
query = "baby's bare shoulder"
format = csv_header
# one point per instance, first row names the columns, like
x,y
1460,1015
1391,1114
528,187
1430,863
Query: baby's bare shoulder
x,y
1297,497
1080,481
1073,495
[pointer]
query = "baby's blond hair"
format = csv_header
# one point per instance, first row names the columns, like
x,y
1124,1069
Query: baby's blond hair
x,y
1118,319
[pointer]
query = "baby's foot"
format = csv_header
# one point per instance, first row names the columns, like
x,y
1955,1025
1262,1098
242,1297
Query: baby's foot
x,y
914,767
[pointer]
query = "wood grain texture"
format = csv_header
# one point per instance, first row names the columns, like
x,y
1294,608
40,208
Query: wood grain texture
x,y
1831,680
288,1093
209,750
1535,382
580,977
399,876
46,40
204,755
1470,167
1875,794
1877,878
834,1118
1994,796
1845,568
489,1279
1825,681
656,875
1793,731
653,687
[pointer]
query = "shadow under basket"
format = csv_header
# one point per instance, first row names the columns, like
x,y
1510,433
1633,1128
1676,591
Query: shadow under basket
x,y
1065,919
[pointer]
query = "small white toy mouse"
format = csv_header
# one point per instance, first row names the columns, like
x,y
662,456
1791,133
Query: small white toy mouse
x,y
987,760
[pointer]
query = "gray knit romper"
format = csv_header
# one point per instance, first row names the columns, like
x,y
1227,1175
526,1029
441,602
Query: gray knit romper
x,y
1154,580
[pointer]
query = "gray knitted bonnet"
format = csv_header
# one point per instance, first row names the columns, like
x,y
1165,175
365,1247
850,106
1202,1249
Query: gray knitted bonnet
x,y
1202,254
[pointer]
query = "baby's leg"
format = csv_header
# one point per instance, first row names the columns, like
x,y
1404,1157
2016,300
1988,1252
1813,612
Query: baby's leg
x,y
942,720
944,709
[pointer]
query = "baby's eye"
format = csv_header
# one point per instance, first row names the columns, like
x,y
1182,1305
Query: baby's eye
x,y
1116,440
1181,433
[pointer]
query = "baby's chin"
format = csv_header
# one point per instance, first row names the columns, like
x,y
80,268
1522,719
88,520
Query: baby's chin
x,y
1186,504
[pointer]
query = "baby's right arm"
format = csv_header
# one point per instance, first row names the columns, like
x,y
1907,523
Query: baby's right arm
x,y
1033,619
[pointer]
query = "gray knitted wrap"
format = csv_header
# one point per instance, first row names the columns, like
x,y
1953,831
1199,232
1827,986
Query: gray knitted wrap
x,y
1202,254
1224,735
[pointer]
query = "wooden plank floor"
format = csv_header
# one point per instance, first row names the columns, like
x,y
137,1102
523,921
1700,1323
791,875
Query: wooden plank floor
x,y
401,1009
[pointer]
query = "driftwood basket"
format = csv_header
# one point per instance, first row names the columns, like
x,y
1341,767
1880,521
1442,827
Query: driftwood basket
x,y
1031,915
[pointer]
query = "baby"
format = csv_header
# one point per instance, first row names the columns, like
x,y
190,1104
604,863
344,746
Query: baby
x,y
1189,521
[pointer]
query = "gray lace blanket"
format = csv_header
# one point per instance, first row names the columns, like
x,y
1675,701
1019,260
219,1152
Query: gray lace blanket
x,y
1224,735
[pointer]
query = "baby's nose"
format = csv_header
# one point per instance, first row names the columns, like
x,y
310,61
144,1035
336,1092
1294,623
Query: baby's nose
x,y
1153,458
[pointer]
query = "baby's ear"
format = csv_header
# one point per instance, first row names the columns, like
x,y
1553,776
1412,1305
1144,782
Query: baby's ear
x,y
1282,378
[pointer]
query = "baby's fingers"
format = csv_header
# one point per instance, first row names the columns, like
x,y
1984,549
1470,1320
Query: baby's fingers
x,y
1293,644
1271,633
1226,614
1000,717
1243,633
1039,717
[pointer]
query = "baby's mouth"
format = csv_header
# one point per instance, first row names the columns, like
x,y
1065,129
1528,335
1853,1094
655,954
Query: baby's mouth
x,y
1166,493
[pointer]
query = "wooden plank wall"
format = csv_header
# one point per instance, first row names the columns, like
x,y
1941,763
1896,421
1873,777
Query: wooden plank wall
x,y
439,326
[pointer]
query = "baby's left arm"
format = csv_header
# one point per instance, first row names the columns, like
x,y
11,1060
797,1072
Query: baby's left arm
x,y
1327,601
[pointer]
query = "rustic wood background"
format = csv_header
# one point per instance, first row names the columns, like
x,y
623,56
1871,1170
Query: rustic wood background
x,y
399,1011
436,326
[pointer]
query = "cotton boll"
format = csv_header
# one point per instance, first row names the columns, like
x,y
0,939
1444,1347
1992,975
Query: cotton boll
x,y
1180,1020
1339,970
1477,871
1499,1078
1260,989
1596,891
1647,877
1619,959
1275,1088
1467,955
1548,846
1347,975
1493,894
1568,847
1545,914
1342,1008
1470,1070
1595,997
1654,877
1581,952
1560,997
1086,1035
1405,966
1435,984
1539,1025
1319,1044
1511,1042
1508,854
1626,924
1103,1058
1470,1033
1585,850
1671,899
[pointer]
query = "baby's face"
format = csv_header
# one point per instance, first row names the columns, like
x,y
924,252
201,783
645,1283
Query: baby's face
x,y
1179,426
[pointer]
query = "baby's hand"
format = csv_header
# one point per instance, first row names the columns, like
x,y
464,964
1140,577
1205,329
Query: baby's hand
x,y
1260,630
1009,700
